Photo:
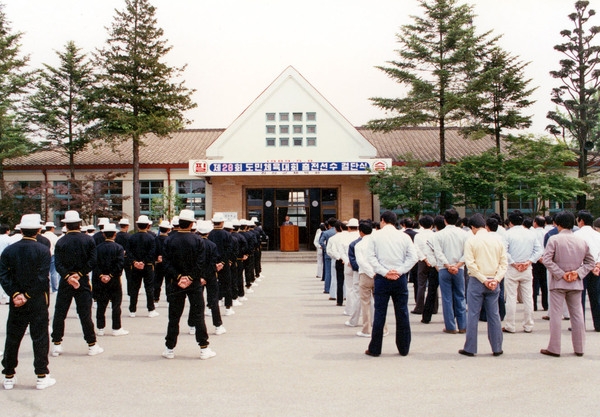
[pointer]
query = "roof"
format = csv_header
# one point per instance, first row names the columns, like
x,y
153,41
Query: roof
x,y
422,142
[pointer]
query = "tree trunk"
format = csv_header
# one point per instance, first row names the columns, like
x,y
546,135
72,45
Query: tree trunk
x,y
136,178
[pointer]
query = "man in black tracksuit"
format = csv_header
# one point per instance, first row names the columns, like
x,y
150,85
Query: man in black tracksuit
x,y
222,238
24,269
106,281
185,265
142,252
75,258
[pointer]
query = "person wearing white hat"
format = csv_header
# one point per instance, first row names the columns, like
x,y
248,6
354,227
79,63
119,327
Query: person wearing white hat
x,y
122,238
235,260
106,281
99,236
159,272
24,268
52,238
186,267
142,250
75,255
251,242
222,239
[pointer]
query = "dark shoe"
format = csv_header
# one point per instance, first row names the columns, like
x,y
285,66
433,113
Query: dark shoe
x,y
368,352
504,330
416,312
566,318
339,304
427,322
570,329
498,353
547,352
545,317
332,299
450,331
464,352
462,331
578,354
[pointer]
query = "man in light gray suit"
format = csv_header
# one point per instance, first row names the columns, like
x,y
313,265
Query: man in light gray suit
x,y
568,260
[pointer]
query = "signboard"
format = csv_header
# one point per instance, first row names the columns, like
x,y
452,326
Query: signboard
x,y
357,167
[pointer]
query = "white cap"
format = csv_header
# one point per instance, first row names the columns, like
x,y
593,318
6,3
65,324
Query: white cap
x,y
204,226
228,225
50,224
175,221
187,215
165,224
103,221
254,220
352,222
71,216
31,221
110,227
143,219
218,218
124,222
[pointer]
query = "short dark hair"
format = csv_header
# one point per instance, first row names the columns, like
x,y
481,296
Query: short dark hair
x,y
492,224
516,217
389,217
565,219
29,232
4,228
184,224
586,217
426,221
438,222
540,221
365,227
109,235
73,225
331,221
477,221
338,226
451,216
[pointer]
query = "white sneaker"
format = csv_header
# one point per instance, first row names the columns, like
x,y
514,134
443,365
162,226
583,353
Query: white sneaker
x,y
95,305
27,331
100,332
168,353
347,323
229,312
220,330
9,383
361,334
254,283
120,332
236,303
207,353
249,291
153,313
221,303
244,298
132,314
207,312
155,304
262,275
43,383
192,330
258,279
95,350
57,350
386,333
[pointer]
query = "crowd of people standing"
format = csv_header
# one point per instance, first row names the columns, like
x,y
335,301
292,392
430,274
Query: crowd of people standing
x,y
482,267
208,262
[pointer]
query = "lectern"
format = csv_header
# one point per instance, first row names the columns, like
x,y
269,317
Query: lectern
x,y
288,238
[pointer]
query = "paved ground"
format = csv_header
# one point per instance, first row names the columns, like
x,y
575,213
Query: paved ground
x,y
288,353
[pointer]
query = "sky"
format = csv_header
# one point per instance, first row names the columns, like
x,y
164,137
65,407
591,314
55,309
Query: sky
x,y
233,49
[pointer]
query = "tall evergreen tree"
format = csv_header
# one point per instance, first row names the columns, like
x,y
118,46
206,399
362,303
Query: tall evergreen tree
x,y
137,93
14,83
438,54
60,109
578,96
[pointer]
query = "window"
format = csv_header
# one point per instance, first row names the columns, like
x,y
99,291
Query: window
x,y
297,129
270,117
311,141
311,129
28,196
311,117
284,129
284,117
297,141
284,141
270,129
270,141
193,195
112,192
148,191
297,117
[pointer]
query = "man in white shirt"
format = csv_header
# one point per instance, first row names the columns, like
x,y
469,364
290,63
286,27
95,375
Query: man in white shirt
x,y
523,250
448,246
334,250
391,253
591,282
426,264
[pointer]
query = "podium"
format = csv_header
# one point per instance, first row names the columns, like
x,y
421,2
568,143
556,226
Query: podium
x,y
288,238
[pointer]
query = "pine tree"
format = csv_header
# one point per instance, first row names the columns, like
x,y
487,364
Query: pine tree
x,y
438,54
137,93
578,96
61,108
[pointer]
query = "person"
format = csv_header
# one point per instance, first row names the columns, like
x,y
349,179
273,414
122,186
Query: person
x,y
5,241
142,250
568,260
287,221
448,246
75,257
426,260
431,305
51,236
351,279
540,281
320,230
186,265
523,250
222,238
486,262
591,282
323,240
159,272
391,253
24,272
335,251
106,281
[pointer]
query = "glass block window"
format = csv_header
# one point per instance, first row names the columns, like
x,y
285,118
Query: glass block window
x,y
270,141
297,129
284,129
270,117
311,141
270,129
297,141
311,117
284,141
284,117
311,129
297,117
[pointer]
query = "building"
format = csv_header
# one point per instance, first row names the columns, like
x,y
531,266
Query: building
x,y
290,153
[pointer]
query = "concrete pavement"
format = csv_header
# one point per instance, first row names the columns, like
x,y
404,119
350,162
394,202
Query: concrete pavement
x,y
287,353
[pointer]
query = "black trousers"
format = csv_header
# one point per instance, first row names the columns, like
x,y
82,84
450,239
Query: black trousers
x,y
239,277
34,313
224,277
432,295
159,277
212,302
339,275
83,302
134,284
540,284
176,301
249,270
105,294
257,259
